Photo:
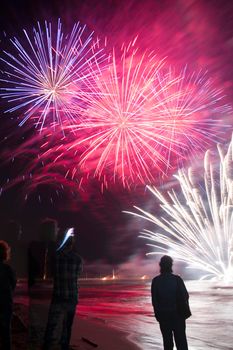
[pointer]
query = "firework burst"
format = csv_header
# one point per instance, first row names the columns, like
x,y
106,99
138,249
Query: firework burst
x,y
45,77
192,108
198,228
123,139
142,122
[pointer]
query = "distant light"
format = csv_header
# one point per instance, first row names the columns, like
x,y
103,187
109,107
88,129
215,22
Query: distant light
x,y
144,277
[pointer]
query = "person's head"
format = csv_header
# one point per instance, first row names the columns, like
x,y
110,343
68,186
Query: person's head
x,y
48,230
5,251
165,264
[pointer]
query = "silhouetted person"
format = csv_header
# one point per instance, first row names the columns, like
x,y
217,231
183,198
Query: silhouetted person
x,y
12,236
7,286
41,255
167,291
41,252
68,266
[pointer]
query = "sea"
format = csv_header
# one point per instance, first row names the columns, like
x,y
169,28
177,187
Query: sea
x,y
126,306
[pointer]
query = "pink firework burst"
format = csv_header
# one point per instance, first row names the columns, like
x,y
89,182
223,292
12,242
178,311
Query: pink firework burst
x,y
119,135
141,121
192,108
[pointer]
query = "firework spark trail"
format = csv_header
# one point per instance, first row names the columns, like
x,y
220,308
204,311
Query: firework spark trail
x,y
193,109
41,161
123,134
136,121
198,229
95,143
143,121
47,74
46,169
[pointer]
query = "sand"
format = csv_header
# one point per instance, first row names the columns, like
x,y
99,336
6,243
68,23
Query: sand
x,y
104,336
86,333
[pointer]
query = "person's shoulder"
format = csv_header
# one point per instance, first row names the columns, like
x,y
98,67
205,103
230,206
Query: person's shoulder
x,y
75,256
156,278
59,254
177,277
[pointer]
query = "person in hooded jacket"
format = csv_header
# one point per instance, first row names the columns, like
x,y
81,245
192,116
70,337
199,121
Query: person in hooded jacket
x,y
68,266
166,290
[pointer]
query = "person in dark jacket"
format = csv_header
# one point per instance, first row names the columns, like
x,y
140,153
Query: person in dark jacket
x,y
166,290
7,286
68,266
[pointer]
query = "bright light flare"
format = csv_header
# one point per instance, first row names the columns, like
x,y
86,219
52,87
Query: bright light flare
x,y
69,233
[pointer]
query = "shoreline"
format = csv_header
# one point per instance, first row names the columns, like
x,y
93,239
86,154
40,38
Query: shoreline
x,y
101,334
87,333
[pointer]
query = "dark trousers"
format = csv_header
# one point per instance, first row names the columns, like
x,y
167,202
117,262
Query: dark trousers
x,y
173,326
5,326
59,325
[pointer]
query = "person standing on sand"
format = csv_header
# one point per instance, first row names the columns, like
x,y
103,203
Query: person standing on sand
x,y
68,266
7,286
41,257
170,303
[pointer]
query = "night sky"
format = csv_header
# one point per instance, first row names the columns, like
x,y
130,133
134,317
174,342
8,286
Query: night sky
x,y
188,32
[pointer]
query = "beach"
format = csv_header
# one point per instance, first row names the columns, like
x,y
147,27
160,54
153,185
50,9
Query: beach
x,y
104,336
118,315
86,333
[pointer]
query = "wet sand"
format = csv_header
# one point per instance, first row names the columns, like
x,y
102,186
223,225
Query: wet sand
x,y
86,334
